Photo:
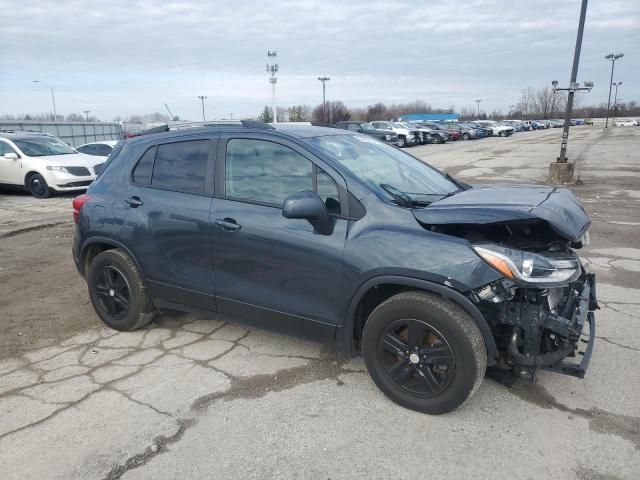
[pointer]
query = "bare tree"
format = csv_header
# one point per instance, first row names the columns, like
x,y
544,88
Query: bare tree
x,y
299,113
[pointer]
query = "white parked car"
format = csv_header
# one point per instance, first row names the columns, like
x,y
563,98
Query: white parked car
x,y
406,137
497,128
627,123
98,149
42,163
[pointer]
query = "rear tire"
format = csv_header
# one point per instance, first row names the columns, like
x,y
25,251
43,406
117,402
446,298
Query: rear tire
x,y
37,186
117,292
424,352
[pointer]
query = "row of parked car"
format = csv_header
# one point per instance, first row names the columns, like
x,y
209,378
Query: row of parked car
x,y
406,134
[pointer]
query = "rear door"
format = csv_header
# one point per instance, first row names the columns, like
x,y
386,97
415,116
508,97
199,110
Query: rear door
x,y
167,206
270,269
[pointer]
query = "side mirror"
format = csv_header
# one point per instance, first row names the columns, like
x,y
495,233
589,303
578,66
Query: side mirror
x,y
11,156
308,206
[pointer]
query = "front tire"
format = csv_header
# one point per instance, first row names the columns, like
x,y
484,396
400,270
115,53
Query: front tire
x,y
437,139
424,352
402,142
501,134
466,136
37,186
117,292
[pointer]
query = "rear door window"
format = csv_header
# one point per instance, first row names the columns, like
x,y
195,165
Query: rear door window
x,y
104,150
181,166
144,168
88,149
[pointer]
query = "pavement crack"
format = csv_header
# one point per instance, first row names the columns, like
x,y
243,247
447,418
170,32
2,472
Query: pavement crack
x,y
627,347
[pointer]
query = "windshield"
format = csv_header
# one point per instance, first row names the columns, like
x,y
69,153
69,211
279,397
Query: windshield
x,y
398,125
385,168
43,146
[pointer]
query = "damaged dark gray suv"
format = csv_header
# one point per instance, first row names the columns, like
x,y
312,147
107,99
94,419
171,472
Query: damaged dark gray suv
x,y
336,235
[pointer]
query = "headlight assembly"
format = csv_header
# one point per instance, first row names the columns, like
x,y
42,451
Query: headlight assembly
x,y
528,267
57,168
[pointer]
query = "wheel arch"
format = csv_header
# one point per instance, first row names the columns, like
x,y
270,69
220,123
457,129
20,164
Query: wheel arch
x,y
29,174
378,289
95,245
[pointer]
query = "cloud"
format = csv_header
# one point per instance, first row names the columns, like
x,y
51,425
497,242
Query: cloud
x,y
122,57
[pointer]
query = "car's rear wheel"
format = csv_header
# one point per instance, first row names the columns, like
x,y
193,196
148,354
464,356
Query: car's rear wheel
x,y
424,352
37,186
117,291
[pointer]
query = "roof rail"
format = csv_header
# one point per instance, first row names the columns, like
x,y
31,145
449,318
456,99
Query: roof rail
x,y
212,123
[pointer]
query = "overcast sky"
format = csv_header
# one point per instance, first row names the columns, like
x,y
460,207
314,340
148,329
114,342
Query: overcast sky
x,y
130,57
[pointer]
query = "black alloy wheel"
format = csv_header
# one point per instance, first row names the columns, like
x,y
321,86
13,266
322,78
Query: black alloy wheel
x,y
113,292
416,357
37,186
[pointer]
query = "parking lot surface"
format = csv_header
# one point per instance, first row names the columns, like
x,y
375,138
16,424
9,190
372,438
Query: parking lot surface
x,y
201,397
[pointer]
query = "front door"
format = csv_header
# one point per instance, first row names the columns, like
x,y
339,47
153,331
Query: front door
x,y
270,269
9,167
167,206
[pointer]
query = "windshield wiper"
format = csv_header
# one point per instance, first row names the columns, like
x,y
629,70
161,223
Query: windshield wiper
x,y
401,198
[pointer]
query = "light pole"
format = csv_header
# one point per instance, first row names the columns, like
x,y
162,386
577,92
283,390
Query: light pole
x,y
561,170
615,102
53,98
478,102
272,69
202,99
86,112
511,107
612,57
324,81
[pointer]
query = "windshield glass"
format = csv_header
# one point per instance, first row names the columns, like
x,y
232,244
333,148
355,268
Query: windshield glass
x,y
379,164
43,146
366,126
398,125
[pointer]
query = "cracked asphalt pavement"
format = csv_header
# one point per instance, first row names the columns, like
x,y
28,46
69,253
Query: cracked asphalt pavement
x,y
195,396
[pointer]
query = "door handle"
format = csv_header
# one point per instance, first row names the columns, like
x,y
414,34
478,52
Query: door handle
x,y
227,224
134,201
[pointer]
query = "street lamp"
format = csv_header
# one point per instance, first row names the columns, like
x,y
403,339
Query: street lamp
x,y
615,102
612,57
478,102
324,81
86,112
53,98
202,99
561,170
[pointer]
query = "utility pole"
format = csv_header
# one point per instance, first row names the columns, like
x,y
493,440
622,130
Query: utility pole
x,y
86,112
478,102
511,107
53,99
612,57
202,99
231,116
561,170
272,69
615,103
324,81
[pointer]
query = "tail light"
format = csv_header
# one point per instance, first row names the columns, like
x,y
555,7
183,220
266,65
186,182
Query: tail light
x,y
77,203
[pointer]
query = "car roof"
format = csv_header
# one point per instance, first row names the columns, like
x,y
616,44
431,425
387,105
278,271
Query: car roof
x,y
22,134
111,143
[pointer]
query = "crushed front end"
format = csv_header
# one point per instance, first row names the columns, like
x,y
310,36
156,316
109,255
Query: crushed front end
x,y
541,312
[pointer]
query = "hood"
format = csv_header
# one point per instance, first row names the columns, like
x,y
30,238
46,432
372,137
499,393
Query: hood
x,y
70,160
487,204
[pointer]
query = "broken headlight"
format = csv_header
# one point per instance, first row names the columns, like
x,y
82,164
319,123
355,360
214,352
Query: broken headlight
x,y
532,268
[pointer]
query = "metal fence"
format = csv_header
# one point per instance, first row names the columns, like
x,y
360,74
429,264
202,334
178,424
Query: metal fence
x,y
73,133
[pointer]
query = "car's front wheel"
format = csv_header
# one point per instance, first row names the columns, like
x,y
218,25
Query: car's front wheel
x,y
117,291
37,186
424,352
402,142
437,139
466,136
